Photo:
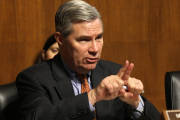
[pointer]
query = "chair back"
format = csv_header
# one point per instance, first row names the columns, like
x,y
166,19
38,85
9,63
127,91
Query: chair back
x,y
172,90
8,102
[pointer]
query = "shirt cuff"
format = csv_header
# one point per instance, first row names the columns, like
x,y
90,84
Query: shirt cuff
x,y
139,109
92,108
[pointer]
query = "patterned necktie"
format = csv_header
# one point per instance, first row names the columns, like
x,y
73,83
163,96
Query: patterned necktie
x,y
84,85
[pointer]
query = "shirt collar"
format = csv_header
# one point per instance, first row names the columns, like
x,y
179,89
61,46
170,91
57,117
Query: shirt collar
x,y
71,72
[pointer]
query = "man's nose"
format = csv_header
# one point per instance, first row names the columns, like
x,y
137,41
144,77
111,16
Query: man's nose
x,y
94,46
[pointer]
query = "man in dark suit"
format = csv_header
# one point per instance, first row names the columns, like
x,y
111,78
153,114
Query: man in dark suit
x,y
77,84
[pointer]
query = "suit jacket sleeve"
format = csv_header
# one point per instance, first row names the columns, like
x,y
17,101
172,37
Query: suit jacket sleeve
x,y
149,113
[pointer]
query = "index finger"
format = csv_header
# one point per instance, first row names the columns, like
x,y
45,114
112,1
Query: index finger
x,y
123,69
128,71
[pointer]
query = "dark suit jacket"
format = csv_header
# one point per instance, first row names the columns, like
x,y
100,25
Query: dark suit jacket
x,y
46,93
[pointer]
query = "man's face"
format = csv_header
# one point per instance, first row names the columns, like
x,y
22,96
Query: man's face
x,y
81,50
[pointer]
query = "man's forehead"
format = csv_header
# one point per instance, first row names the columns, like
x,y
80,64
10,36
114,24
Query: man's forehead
x,y
88,28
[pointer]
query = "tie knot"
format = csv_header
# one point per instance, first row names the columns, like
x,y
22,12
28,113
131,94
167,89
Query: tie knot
x,y
84,83
82,77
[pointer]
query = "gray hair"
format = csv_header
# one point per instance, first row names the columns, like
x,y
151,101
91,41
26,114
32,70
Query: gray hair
x,y
74,11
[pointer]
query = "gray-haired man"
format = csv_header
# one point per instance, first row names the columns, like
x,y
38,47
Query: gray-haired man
x,y
53,91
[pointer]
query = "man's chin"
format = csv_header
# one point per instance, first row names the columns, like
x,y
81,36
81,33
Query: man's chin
x,y
91,66
88,68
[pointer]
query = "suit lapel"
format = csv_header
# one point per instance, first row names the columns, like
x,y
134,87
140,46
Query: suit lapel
x,y
63,80
96,78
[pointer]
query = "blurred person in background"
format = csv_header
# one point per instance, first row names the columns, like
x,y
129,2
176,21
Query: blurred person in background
x,y
50,49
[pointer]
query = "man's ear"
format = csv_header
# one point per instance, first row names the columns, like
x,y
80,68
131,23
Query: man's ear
x,y
58,37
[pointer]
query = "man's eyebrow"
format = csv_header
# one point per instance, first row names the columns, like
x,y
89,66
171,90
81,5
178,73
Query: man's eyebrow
x,y
99,35
83,37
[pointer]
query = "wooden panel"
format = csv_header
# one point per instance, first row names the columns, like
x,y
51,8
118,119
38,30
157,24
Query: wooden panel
x,y
144,31
7,35
25,25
